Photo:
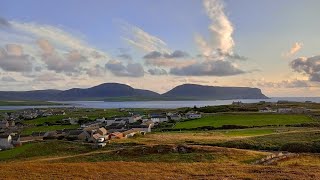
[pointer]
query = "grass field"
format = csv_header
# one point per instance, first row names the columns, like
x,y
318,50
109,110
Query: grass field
x,y
245,120
305,141
28,131
90,113
42,149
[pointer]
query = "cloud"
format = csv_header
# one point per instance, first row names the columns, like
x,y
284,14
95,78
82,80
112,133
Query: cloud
x,y
142,40
208,68
175,54
295,83
130,70
308,66
294,49
8,79
13,59
4,23
157,71
221,30
48,77
68,62
125,56
174,59
96,71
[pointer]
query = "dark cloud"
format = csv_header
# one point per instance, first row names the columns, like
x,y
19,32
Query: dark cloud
x,y
13,59
175,54
130,70
4,23
208,68
230,56
308,66
125,56
96,71
8,79
68,63
157,71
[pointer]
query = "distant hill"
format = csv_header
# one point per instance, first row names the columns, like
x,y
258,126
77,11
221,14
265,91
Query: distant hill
x,y
122,92
194,91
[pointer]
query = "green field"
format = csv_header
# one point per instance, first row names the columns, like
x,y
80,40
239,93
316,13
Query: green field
x,y
29,131
308,141
50,148
245,120
90,113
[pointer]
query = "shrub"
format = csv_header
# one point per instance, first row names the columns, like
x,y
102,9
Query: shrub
x,y
297,147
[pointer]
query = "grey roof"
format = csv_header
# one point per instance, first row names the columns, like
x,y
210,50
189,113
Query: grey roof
x,y
75,132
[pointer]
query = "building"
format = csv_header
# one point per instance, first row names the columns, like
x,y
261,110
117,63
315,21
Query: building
x,y
284,110
115,135
193,115
94,124
6,142
175,117
266,110
102,131
4,124
159,118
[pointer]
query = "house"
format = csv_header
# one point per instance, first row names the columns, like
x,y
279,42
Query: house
x,y
94,124
95,137
5,142
284,110
50,135
70,120
175,117
144,128
59,112
4,124
159,118
192,115
115,135
237,103
299,110
79,135
11,123
16,140
266,110
102,131
130,133
35,134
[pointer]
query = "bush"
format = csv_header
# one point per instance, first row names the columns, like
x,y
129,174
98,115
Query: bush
x,y
297,147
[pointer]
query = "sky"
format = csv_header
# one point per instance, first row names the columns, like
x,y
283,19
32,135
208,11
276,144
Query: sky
x,y
157,45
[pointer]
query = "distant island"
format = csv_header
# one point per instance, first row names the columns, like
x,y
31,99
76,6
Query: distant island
x,y
122,92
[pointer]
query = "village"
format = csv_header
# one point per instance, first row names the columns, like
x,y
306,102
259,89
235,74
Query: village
x,y
98,132
101,130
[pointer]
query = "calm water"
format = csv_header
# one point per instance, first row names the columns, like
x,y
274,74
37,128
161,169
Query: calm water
x,y
159,104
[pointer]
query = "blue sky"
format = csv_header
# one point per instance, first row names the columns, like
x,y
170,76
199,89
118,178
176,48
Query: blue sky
x,y
270,44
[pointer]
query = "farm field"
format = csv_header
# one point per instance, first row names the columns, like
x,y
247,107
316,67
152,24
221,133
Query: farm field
x,y
245,120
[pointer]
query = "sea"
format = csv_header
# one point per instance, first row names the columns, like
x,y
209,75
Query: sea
x,y
158,104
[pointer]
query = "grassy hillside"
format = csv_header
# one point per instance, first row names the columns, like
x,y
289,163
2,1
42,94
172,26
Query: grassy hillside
x,y
245,120
26,103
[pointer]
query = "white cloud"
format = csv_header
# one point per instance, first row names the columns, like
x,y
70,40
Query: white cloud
x,y
142,40
294,49
221,31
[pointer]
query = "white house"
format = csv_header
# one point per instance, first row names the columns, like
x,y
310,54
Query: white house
x,y
266,110
5,142
159,118
191,115
284,110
